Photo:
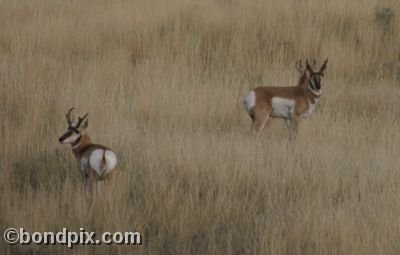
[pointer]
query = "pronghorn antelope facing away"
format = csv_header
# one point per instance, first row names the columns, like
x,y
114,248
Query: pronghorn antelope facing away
x,y
95,161
288,103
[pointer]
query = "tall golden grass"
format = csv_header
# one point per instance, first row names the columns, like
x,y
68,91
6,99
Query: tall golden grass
x,y
163,83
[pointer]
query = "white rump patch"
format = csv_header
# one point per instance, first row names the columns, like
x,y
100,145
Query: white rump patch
x,y
100,166
96,160
282,107
250,101
111,160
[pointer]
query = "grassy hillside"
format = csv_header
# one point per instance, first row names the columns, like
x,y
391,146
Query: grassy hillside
x,y
163,82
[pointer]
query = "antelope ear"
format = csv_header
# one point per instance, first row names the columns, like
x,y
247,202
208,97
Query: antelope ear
x,y
324,66
84,124
299,66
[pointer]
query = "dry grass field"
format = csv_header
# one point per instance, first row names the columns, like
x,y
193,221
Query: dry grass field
x,y
163,82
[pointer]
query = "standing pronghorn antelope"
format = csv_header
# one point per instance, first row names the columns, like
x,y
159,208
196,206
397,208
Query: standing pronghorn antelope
x,y
96,162
288,103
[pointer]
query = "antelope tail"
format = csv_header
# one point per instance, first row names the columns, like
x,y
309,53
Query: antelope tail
x,y
103,168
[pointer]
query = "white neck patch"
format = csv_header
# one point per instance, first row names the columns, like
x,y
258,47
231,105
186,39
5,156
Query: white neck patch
x,y
76,146
71,139
313,91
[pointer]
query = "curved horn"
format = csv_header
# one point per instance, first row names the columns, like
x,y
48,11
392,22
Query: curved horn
x,y
68,116
299,66
308,66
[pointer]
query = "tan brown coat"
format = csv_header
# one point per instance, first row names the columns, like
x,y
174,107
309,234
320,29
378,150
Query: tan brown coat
x,y
288,103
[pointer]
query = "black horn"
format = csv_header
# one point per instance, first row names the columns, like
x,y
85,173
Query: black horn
x,y
69,118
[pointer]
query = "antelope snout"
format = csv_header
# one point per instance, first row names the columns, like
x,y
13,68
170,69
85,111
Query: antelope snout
x,y
60,139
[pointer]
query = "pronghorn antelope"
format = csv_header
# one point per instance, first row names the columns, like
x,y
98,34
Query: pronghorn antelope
x,y
288,103
96,162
